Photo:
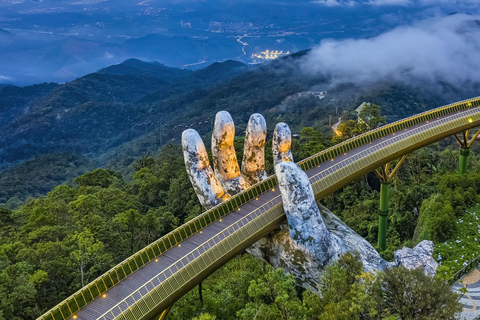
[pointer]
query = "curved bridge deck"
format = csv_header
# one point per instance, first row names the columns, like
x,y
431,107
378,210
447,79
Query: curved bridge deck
x,y
148,291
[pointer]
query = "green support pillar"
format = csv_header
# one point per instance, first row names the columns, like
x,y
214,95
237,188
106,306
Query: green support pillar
x,y
464,152
383,218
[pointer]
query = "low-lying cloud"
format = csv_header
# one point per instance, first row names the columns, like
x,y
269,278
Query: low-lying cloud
x,y
451,3
439,49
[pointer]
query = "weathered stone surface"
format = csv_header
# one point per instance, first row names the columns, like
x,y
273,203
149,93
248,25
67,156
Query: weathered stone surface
x,y
281,144
279,250
418,257
253,163
353,242
305,223
207,187
224,158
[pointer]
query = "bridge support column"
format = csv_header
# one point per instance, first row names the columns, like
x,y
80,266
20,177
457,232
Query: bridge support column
x,y
385,177
465,143
164,314
464,152
383,217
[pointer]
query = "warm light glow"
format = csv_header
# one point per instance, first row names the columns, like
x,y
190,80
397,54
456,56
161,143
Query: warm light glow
x,y
220,220
273,189
201,231
332,160
238,209
156,260
269,55
104,295
470,120
75,316
179,245
256,198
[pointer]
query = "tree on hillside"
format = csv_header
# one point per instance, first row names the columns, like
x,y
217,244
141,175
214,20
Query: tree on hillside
x,y
99,177
348,293
88,254
311,142
412,295
370,114
273,296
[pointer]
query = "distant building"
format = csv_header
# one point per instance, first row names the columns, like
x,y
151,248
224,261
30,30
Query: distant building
x,y
360,109
269,55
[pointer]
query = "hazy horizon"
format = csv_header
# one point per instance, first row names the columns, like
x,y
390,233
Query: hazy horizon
x,y
58,41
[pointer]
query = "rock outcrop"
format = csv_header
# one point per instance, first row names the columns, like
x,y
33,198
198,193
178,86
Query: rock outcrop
x,y
253,163
281,144
207,187
418,257
305,223
224,158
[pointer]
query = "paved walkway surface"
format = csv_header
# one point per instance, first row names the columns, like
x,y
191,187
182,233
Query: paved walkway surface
x,y
470,300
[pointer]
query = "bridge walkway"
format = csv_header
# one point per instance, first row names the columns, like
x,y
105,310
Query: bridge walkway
x,y
118,299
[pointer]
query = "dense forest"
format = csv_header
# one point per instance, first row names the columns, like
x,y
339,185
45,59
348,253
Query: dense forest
x,y
54,244
91,171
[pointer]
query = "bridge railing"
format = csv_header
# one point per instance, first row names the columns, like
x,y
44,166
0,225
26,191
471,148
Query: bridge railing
x,y
464,271
99,286
384,131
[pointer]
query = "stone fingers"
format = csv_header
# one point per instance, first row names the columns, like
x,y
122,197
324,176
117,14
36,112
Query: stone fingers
x,y
207,187
253,163
305,222
224,158
281,144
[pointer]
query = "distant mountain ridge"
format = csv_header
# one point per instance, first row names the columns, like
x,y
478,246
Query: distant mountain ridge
x,y
115,115
96,112
137,67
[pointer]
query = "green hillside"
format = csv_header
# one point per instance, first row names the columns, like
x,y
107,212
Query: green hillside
x,y
117,114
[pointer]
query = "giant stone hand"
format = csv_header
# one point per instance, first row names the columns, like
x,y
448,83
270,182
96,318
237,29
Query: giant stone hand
x,y
313,237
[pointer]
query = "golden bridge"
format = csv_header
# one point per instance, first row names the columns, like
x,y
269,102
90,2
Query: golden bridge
x,y
145,285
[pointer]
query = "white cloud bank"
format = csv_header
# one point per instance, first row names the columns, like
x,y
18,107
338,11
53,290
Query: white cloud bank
x,y
440,49
450,3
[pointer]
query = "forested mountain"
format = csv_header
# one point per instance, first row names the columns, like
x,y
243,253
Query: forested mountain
x,y
115,115
94,113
